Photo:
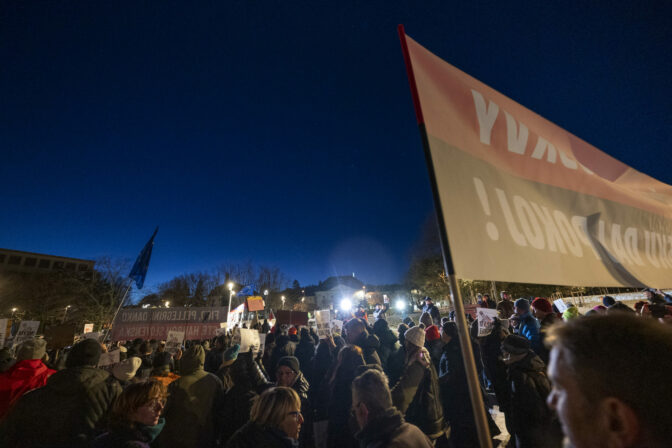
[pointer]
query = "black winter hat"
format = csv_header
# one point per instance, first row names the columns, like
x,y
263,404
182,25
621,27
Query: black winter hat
x,y
608,301
161,359
84,353
516,345
291,362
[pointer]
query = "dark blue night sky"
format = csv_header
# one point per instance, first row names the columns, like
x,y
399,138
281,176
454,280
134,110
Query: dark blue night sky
x,y
284,132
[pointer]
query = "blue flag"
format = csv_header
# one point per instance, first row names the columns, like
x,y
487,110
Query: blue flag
x,y
246,291
139,270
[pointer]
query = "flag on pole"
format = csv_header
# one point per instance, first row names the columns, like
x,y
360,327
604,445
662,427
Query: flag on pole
x,y
139,270
546,206
246,291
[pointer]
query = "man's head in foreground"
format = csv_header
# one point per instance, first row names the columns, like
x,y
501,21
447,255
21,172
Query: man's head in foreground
x,y
611,381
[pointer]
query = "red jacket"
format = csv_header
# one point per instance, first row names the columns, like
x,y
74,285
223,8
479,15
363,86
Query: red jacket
x,y
22,377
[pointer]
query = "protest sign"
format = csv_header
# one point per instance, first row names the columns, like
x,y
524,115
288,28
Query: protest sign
x,y
287,317
88,328
174,341
236,316
255,303
196,322
546,206
109,358
27,330
59,336
323,323
486,320
94,335
249,339
336,327
3,331
560,305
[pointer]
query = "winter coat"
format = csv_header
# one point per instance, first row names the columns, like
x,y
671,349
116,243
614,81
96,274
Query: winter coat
x,y
381,313
391,431
305,350
388,344
532,422
395,365
301,387
195,401
22,377
433,311
67,411
529,328
136,436
369,343
416,395
252,435
283,347
213,359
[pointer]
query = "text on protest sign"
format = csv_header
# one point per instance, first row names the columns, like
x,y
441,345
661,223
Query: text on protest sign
x,y
27,330
174,341
486,320
249,339
544,205
323,323
560,305
196,322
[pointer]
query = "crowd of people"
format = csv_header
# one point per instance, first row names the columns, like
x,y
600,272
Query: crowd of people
x,y
600,379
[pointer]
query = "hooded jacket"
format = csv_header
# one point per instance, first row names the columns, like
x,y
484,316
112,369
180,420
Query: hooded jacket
x,y
391,431
387,339
195,401
369,343
22,377
69,409
252,435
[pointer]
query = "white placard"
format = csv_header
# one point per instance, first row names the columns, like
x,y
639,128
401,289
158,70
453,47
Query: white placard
x,y
96,335
322,321
336,326
3,331
249,338
236,316
560,305
174,341
486,320
109,358
27,330
88,328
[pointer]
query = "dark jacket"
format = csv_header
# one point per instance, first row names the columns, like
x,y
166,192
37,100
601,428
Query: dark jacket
x,y
388,342
252,435
391,431
305,350
213,359
545,323
301,387
70,410
529,328
433,311
369,343
283,347
532,421
137,436
194,406
381,313
416,395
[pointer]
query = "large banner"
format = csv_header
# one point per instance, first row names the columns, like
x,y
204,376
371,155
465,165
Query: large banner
x,y
155,323
526,201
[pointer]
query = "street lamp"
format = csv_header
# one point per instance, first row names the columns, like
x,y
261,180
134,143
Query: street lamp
x,y
230,286
283,302
14,310
167,303
64,314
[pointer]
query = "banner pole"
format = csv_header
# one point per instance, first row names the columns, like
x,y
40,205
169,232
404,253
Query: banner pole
x,y
455,295
123,299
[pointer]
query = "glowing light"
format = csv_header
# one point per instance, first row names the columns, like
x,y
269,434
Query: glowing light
x,y
230,286
346,305
400,305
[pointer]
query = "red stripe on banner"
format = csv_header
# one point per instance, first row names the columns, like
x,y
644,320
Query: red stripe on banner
x,y
411,77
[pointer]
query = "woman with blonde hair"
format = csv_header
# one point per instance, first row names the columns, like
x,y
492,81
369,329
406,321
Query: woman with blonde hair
x,y
275,421
135,419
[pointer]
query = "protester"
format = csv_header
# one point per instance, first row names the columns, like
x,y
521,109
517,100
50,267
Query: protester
x,y
135,418
126,370
161,371
434,344
6,359
289,374
416,394
572,312
388,341
28,373
275,421
380,311
356,334
380,423
69,409
305,350
505,305
528,326
431,309
532,423
194,403
485,302
213,359
340,429
283,347
611,381
543,311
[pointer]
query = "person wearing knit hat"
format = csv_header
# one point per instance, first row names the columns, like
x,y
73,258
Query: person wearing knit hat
x,y
528,326
433,344
287,371
543,311
161,368
68,409
125,370
570,313
415,336
28,373
608,301
602,309
528,388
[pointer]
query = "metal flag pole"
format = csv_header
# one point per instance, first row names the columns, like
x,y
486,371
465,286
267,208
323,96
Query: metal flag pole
x,y
455,294
123,300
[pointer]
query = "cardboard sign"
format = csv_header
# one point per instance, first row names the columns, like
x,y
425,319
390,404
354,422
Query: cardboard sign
x,y
174,341
486,320
323,322
287,317
249,339
336,327
27,330
96,335
88,328
59,336
255,303
109,358
560,305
